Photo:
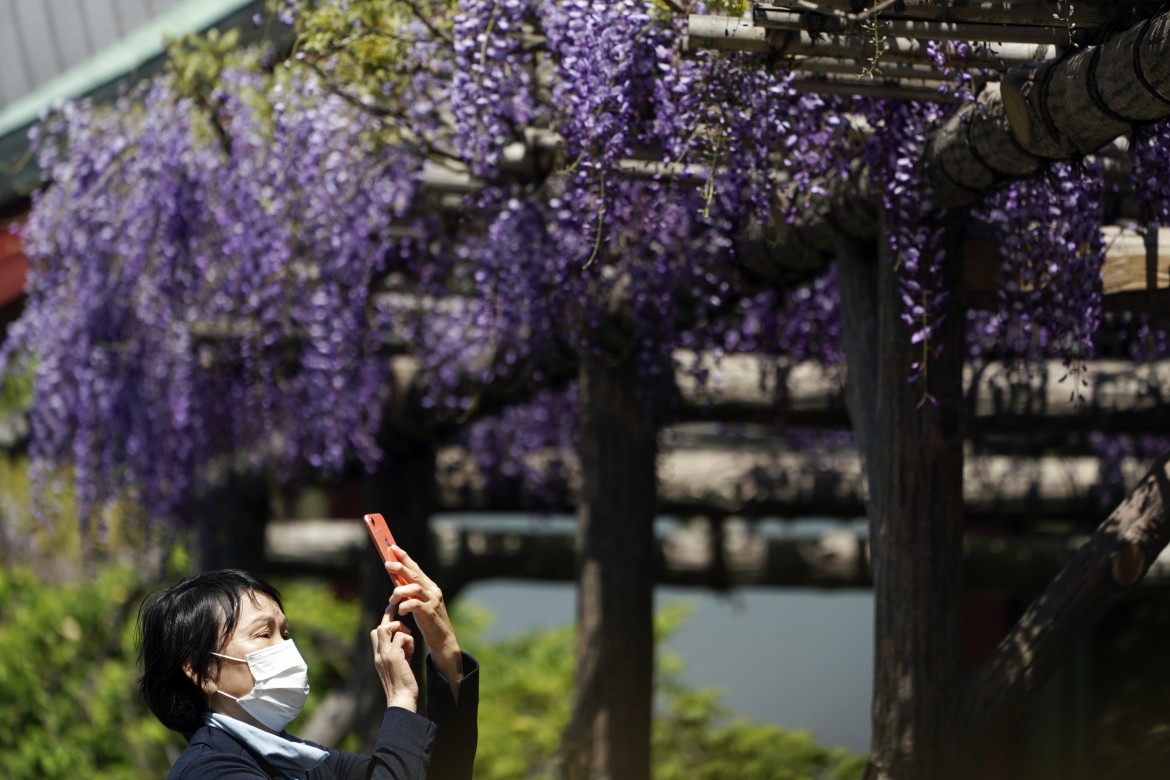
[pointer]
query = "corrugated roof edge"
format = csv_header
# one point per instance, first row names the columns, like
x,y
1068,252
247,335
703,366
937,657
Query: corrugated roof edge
x,y
139,55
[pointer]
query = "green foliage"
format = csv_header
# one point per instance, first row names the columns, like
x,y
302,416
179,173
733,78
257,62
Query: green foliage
x,y
49,538
195,62
16,389
195,66
525,687
365,44
324,627
727,7
67,669
694,738
23,537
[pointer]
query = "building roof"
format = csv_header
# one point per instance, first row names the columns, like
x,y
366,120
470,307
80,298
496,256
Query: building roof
x,y
52,51
42,39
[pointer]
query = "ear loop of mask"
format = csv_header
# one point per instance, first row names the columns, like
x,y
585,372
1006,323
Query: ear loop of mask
x,y
230,658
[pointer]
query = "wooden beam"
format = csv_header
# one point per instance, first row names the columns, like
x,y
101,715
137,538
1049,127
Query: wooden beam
x,y
1087,13
890,24
893,89
1078,104
473,550
766,480
1117,395
1052,111
737,34
1120,396
1123,550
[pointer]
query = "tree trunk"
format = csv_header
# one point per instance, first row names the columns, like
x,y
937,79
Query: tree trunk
x,y
608,735
915,515
857,265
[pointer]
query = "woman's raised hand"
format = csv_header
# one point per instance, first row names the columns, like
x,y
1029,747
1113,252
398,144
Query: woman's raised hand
x,y
393,647
421,597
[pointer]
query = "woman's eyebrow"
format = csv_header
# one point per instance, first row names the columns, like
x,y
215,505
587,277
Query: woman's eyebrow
x,y
266,619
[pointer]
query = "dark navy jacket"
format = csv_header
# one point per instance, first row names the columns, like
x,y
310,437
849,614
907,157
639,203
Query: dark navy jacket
x,y
440,746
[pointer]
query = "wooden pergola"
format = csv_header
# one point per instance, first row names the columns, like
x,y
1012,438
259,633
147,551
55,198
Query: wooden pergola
x,y
1050,86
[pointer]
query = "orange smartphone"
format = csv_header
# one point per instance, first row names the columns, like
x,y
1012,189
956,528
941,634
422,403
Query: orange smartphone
x,y
382,538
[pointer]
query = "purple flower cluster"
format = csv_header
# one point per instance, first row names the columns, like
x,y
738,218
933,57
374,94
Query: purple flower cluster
x,y
1151,172
608,58
200,287
522,451
1051,252
221,285
493,84
914,227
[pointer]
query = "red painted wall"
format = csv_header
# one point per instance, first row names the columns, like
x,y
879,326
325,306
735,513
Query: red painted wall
x,y
13,266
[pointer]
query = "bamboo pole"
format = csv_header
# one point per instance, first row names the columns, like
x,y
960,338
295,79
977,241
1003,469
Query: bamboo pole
x,y
1056,36
1088,13
737,34
893,89
831,66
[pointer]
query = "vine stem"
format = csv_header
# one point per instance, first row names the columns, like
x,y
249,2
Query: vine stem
x,y
600,223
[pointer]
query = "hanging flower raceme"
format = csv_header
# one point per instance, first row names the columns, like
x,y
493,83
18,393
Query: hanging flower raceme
x,y
1151,172
493,81
200,286
1051,252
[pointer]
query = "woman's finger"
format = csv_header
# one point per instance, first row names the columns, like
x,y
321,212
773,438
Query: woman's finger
x,y
405,643
404,592
399,569
404,556
408,646
409,564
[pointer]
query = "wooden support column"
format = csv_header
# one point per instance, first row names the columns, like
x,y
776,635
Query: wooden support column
x,y
857,264
231,523
915,515
608,735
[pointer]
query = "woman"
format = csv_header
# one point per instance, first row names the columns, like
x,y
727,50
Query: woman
x,y
221,668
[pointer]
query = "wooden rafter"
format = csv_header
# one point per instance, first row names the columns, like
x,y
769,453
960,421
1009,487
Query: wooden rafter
x,y
737,34
1044,13
772,18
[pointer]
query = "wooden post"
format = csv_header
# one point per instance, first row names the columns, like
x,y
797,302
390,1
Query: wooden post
x,y
231,523
857,265
915,515
608,736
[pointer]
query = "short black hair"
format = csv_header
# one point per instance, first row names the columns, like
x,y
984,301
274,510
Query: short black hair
x,y
185,624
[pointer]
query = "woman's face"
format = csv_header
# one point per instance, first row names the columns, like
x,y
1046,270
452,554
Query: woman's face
x,y
261,624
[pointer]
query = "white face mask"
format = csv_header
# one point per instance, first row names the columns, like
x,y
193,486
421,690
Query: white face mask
x,y
282,684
